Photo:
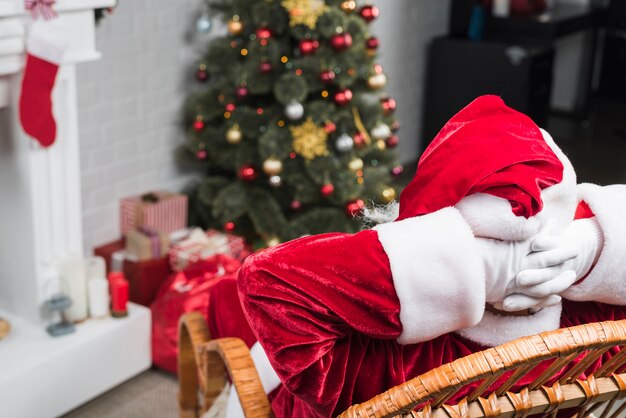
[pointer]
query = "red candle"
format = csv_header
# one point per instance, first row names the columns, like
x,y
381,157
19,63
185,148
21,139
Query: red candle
x,y
119,296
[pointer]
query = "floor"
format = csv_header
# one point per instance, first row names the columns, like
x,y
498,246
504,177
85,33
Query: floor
x,y
597,148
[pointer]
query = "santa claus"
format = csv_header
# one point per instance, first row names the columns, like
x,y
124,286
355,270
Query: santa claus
x,y
492,240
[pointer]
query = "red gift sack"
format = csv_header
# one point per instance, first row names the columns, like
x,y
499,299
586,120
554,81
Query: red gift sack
x,y
208,287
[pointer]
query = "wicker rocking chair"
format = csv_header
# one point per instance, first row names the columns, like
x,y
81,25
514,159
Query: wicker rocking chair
x,y
203,364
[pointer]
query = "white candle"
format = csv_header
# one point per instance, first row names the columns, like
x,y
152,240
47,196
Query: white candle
x,y
72,272
98,291
501,8
95,267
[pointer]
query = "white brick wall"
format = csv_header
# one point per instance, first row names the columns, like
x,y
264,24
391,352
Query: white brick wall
x,y
130,100
129,103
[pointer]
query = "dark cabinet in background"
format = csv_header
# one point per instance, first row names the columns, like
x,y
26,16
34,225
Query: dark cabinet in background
x,y
460,70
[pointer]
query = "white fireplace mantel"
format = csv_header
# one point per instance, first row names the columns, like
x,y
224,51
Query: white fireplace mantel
x,y
40,223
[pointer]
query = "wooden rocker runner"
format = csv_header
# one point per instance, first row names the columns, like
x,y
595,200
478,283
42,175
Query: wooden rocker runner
x,y
204,363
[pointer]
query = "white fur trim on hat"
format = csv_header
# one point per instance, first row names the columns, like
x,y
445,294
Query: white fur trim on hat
x,y
607,280
437,273
491,216
496,329
269,380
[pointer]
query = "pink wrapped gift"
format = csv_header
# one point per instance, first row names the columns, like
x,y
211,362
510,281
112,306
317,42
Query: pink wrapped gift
x,y
160,211
200,245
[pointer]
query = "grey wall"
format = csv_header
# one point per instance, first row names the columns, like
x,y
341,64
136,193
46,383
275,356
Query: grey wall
x,y
129,103
405,27
130,99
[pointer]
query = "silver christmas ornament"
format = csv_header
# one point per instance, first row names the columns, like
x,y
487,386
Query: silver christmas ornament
x,y
275,181
381,131
203,24
344,143
294,110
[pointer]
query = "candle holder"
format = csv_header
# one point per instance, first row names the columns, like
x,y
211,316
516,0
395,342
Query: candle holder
x,y
56,304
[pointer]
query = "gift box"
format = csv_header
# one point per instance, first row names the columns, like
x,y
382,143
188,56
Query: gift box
x,y
200,245
160,211
145,277
146,244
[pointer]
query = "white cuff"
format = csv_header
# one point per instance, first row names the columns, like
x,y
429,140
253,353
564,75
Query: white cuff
x,y
47,41
607,280
437,273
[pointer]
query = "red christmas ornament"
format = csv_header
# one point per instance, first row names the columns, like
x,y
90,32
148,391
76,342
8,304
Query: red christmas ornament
x,y
341,41
198,125
330,127
327,76
369,13
241,92
265,67
230,107
202,74
229,226
372,43
389,105
201,154
248,173
327,189
392,141
343,97
263,33
308,46
359,140
354,207
397,170
295,205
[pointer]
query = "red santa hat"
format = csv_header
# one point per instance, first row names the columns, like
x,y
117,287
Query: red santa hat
x,y
499,168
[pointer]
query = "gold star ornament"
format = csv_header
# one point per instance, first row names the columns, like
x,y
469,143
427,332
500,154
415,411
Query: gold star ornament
x,y
309,140
304,12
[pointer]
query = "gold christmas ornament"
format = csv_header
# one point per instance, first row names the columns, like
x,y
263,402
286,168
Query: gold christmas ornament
x,y
233,135
235,27
348,6
356,164
309,140
5,327
272,242
377,81
388,195
380,144
304,12
272,166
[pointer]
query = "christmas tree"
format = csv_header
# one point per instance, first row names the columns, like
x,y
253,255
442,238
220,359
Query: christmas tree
x,y
290,126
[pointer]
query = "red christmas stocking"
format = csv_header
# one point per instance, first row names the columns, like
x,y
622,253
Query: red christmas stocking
x,y
45,47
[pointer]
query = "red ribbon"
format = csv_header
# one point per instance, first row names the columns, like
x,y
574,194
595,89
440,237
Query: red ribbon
x,y
41,8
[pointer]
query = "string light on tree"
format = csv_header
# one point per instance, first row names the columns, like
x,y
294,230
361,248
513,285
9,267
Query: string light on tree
x,y
229,226
241,92
265,67
201,154
295,205
198,125
397,170
294,110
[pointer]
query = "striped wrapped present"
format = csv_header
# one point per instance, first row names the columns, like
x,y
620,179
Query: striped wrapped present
x,y
160,211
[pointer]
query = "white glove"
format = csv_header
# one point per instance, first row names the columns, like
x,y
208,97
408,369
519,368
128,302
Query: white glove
x,y
502,261
556,263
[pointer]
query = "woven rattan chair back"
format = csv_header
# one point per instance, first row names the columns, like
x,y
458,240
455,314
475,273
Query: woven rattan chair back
x,y
203,364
